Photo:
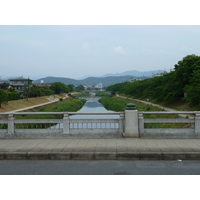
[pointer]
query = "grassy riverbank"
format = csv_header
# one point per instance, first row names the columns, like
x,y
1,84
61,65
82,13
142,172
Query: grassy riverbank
x,y
118,104
23,103
113,104
69,105
179,104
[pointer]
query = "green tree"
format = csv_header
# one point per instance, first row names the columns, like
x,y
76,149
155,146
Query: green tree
x,y
71,87
12,94
27,88
79,88
37,91
3,97
184,72
193,89
59,87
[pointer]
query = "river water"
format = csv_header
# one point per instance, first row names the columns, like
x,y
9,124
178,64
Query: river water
x,y
91,106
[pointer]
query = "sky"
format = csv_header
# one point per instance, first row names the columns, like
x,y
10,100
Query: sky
x,y
77,51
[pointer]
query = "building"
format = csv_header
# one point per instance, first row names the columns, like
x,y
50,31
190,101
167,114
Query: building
x,y
18,84
159,74
4,85
99,86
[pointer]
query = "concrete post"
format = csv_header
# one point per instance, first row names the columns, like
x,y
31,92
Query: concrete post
x,y
11,127
131,122
121,123
141,123
66,123
197,123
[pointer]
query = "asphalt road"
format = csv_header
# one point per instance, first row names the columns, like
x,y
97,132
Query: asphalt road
x,y
68,167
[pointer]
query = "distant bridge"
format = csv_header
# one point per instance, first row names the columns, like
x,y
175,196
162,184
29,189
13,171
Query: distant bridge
x,y
91,99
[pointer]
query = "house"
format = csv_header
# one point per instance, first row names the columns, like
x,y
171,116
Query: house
x,y
4,85
18,84
159,74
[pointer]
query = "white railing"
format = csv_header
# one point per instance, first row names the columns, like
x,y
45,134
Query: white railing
x,y
186,124
130,123
64,125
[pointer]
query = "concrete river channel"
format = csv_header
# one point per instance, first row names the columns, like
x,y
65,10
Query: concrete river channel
x,y
91,106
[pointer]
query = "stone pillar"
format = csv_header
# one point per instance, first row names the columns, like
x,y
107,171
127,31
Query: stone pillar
x,y
66,123
141,123
121,123
131,122
11,126
197,123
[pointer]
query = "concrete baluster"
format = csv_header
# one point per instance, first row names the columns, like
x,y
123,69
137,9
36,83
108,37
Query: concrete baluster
x,y
11,126
197,123
66,123
141,123
121,123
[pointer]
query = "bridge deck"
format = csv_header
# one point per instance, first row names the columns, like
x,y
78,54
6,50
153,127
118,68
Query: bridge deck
x,y
114,149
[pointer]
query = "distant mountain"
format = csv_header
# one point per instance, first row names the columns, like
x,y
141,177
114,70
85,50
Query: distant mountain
x,y
106,81
51,79
135,73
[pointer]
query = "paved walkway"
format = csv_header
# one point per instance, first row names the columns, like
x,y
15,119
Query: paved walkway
x,y
104,149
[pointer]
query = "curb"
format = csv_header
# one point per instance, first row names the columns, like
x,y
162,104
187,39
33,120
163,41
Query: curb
x,y
99,156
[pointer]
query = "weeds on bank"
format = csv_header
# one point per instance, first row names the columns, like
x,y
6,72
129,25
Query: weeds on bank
x,y
118,104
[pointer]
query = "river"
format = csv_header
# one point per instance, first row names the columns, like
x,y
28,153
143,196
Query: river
x,y
91,106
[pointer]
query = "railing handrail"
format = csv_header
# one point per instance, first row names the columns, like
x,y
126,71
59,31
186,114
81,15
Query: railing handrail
x,y
99,113
61,113
169,112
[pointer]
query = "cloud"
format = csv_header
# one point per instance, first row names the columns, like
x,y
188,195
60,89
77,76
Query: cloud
x,y
119,50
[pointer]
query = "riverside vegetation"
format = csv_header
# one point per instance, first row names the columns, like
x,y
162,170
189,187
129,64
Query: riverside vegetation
x,y
118,104
181,85
67,105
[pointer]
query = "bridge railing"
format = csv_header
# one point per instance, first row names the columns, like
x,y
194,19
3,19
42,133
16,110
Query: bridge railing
x,y
183,124
60,124
180,124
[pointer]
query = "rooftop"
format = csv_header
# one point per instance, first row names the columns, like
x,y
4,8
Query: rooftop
x,y
21,78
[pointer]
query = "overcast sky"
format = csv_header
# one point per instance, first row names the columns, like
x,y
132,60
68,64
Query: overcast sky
x,y
78,51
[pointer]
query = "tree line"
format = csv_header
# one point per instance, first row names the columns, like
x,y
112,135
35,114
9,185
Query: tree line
x,y
30,90
183,82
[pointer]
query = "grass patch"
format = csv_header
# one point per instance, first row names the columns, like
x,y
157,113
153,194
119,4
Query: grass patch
x,y
23,103
113,104
145,107
70,105
102,94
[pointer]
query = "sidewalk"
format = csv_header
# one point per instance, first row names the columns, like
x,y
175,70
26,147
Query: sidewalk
x,y
100,149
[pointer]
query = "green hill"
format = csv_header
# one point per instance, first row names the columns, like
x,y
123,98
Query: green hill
x,y
106,81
